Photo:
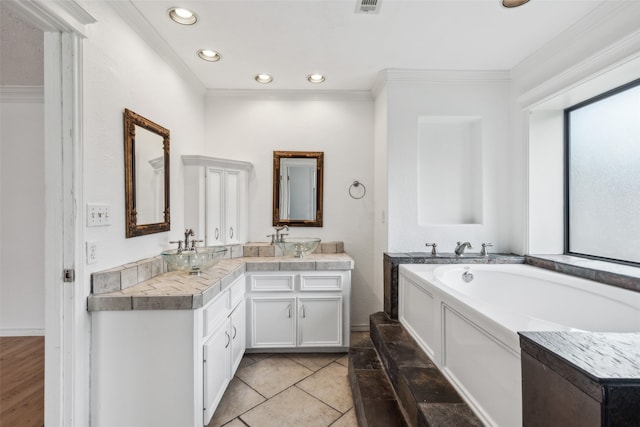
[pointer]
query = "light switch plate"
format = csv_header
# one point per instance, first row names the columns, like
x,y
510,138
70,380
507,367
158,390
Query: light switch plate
x,y
98,215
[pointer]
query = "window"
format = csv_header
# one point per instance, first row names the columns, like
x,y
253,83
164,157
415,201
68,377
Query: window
x,y
603,176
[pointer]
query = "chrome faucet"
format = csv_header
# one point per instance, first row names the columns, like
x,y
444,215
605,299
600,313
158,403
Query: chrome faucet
x,y
188,232
460,247
280,236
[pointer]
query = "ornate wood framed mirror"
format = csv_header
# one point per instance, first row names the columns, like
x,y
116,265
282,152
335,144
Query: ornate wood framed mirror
x,y
146,176
297,188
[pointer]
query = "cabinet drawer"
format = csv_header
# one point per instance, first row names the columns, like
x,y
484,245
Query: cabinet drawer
x,y
283,282
214,313
315,282
236,292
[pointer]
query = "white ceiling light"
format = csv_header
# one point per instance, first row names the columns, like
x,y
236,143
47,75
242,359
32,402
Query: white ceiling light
x,y
264,78
315,78
209,55
182,16
513,3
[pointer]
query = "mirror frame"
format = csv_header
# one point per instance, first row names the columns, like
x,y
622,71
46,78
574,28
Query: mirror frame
x,y
319,156
133,229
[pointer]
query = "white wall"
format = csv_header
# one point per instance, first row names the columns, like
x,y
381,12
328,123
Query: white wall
x,y
22,180
249,126
597,54
122,71
412,95
381,190
22,211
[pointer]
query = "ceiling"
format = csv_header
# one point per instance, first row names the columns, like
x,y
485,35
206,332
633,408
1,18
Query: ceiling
x,y
290,39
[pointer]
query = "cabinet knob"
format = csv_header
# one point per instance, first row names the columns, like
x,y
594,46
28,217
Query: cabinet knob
x,y
217,233
231,232
228,339
235,332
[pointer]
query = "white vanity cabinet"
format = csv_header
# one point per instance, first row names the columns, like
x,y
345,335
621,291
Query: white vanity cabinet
x,y
166,367
224,344
217,199
216,363
298,309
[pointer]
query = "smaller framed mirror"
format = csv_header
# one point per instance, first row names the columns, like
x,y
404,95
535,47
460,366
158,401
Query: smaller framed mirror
x,y
146,176
297,188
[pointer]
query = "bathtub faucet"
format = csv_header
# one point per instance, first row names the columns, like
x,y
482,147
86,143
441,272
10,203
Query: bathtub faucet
x,y
460,247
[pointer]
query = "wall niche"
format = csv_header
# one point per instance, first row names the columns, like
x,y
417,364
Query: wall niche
x,y
449,170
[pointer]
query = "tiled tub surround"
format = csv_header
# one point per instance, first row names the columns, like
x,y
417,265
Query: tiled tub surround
x,y
616,275
392,261
578,379
622,276
469,329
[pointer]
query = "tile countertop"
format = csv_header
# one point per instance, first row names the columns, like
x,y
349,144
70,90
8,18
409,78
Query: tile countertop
x,y
177,290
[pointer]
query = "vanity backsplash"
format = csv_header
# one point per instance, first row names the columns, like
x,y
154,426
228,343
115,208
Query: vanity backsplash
x,y
125,276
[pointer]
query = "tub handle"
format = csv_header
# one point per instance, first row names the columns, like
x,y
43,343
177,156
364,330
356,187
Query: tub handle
x,y
484,251
434,252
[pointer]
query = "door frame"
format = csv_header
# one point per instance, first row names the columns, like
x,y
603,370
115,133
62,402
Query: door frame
x,y
67,325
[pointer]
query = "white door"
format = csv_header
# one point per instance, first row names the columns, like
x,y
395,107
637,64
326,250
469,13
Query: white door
x,y
232,206
273,322
238,335
320,321
214,206
216,363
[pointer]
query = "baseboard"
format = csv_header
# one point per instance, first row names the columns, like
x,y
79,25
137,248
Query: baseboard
x,y
360,328
6,332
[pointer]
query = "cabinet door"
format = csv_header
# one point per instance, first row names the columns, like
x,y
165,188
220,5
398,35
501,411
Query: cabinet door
x,y
273,322
238,335
217,359
232,206
214,208
320,321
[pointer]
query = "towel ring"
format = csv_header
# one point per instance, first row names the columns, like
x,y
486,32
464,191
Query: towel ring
x,y
357,184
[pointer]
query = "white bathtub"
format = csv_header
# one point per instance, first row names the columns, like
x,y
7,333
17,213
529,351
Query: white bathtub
x,y
470,329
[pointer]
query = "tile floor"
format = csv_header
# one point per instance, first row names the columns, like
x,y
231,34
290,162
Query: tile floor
x,y
301,389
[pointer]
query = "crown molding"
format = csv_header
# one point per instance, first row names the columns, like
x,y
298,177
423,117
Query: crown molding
x,y
22,94
301,95
132,16
604,37
200,160
442,76
624,52
53,15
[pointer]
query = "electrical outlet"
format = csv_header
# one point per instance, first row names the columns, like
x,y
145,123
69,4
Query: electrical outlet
x,y
98,215
92,252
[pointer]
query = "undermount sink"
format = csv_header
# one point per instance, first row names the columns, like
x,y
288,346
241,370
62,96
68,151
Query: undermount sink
x,y
298,247
194,260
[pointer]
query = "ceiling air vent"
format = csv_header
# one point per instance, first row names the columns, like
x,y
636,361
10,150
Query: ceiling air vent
x,y
368,6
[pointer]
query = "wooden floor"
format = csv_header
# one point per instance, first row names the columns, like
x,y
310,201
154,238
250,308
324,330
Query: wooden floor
x,y
22,381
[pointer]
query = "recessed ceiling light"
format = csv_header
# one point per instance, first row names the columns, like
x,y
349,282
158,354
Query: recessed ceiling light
x,y
209,55
264,78
182,16
513,3
315,78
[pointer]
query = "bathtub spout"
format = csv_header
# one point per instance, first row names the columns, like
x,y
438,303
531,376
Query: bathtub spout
x,y
460,247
